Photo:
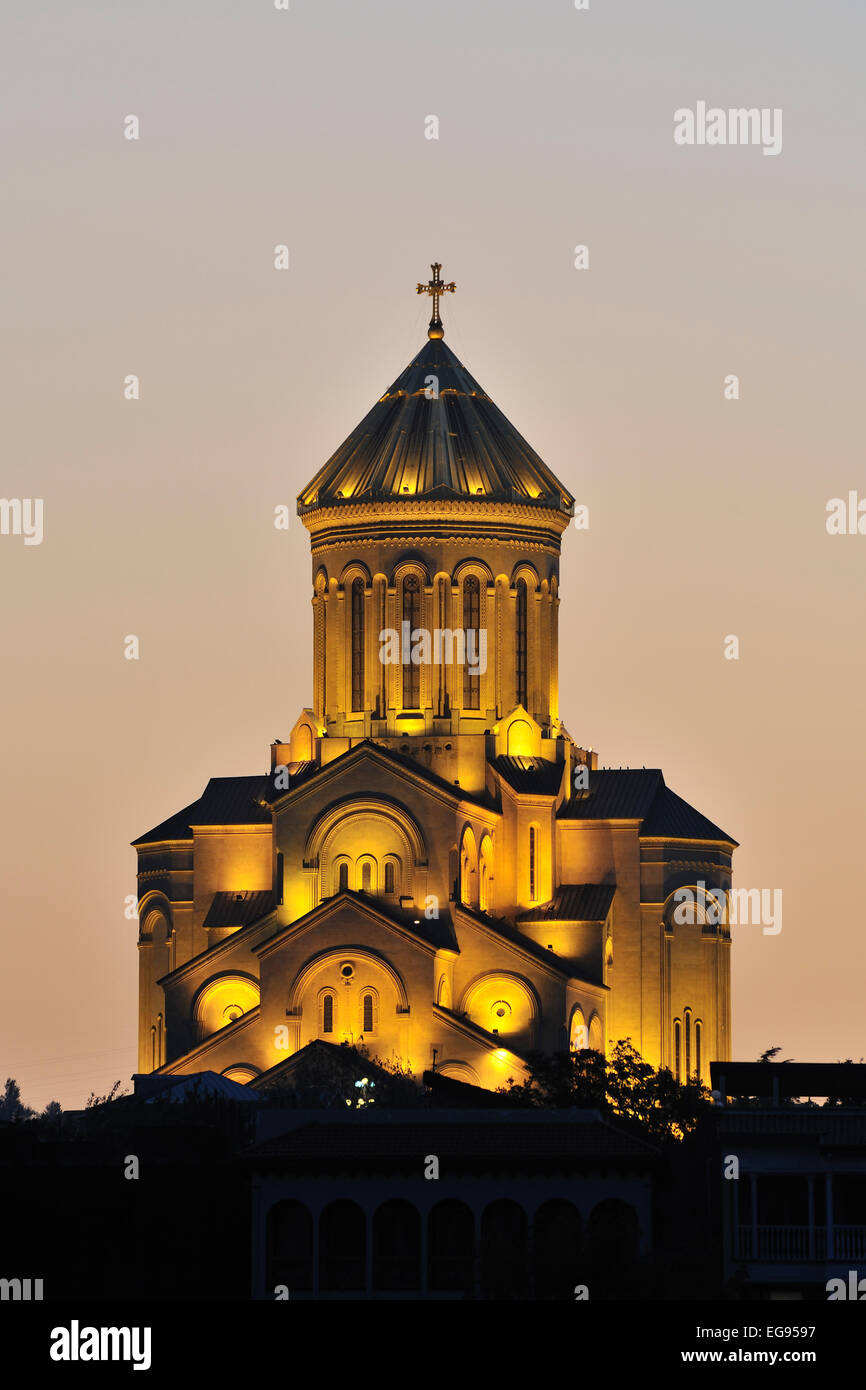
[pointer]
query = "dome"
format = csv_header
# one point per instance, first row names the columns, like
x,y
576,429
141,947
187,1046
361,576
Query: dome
x,y
435,439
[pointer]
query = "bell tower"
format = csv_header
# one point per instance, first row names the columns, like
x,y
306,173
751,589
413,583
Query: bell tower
x,y
435,532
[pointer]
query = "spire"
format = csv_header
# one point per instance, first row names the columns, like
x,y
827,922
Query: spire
x,y
436,287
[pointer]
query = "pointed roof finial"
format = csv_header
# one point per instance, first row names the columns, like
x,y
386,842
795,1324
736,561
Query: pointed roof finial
x,y
436,286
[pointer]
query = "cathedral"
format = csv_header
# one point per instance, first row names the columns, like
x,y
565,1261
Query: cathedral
x,y
433,868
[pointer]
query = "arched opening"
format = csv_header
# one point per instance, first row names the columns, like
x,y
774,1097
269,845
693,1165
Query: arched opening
x,y
699,1028
366,877
468,867
369,1019
613,1235
556,1242
503,1251
520,644
450,1248
240,1073
596,1036
533,863
357,645
304,743
471,624
519,742
390,878
327,1012
223,1001
412,616
485,875
289,1246
687,1031
578,1032
396,1246
343,876
342,1247
677,1050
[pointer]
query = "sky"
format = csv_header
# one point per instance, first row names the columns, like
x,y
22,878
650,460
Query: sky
x,y
154,257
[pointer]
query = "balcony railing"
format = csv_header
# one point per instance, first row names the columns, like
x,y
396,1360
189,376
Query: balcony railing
x,y
793,1243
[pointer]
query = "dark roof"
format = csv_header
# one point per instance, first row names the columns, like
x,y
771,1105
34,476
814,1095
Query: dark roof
x,y
224,801
177,827
232,801
447,1090
298,773
458,444
838,1079
670,815
494,1135
574,902
622,794
238,909
640,794
281,1074
534,775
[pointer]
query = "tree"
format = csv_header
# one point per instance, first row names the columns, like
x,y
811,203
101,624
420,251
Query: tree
x,y
114,1094
622,1087
11,1107
771,1054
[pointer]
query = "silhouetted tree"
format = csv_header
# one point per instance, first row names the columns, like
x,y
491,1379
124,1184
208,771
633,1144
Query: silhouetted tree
x,y
11,1107
623,1087
114,1094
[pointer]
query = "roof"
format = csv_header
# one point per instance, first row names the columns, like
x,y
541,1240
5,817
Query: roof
x,y
282,1073
454,444
790,1078
640,794
238,909
500,1136
534,775
224,801
670,815
574,902
190,1086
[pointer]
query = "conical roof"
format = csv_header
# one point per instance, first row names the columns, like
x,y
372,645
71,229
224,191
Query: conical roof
x,y
442,438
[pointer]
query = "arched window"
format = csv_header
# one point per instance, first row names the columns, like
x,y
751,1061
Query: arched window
x,y
471,623
289,1246
328,1013
520,644
396,1246
343,880
677,1069
688,1022
485,875
357,645
367,877
390,878
699,1028
412,616
342,1247
367,1021
451,1247
533,863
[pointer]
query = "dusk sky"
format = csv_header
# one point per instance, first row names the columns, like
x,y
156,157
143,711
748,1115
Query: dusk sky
x,y
155,257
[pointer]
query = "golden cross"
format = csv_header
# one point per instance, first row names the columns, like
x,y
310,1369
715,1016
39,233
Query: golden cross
x,y
436,286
